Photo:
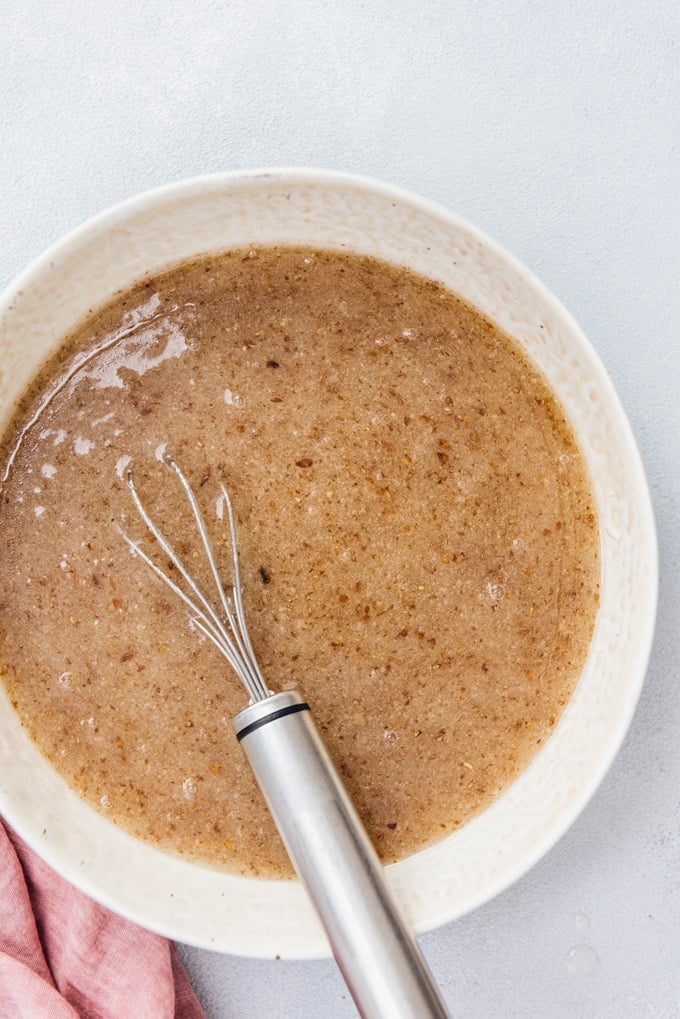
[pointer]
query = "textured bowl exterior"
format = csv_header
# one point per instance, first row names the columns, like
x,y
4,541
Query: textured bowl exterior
x,y
197,904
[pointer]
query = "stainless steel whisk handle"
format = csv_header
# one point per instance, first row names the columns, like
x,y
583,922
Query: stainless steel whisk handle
x,y
335,861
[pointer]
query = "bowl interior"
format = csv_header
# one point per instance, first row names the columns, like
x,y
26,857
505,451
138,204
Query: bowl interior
x,y
194,903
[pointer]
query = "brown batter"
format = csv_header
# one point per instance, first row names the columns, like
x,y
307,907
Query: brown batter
x,y
418,545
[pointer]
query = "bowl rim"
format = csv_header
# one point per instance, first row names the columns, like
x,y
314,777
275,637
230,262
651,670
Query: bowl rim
x,y
192,186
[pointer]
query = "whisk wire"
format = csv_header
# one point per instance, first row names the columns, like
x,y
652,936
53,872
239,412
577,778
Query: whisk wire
x,y
237,626
198,617
232,639
169,550
238,599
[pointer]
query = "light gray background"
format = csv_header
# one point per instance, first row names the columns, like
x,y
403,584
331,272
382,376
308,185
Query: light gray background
x,y
554,126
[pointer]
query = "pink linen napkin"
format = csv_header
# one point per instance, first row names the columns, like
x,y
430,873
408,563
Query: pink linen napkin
x,y
62,956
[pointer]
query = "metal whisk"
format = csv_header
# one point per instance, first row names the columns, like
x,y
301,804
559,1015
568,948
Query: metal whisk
x,y
325,839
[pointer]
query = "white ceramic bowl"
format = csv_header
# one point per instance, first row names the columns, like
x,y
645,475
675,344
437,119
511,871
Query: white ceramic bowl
x,y
194,903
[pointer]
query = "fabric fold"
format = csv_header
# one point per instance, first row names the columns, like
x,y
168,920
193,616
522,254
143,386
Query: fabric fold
x,y
63,956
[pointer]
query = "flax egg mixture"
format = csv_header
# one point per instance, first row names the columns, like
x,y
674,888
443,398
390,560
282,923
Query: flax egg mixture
x,y
418,543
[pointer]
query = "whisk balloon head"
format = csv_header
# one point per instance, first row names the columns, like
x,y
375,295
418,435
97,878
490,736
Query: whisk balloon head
x,y
222,620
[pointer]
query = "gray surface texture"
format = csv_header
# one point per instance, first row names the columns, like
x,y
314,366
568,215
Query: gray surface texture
x,y
556,128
